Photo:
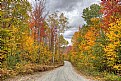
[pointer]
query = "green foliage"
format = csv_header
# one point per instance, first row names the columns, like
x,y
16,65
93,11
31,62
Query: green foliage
x,y
91,12
63,41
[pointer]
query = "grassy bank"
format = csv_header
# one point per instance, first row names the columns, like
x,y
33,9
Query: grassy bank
x,y
24,69
91,73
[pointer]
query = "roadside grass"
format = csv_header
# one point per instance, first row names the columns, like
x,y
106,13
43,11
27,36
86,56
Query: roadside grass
x,y
96,75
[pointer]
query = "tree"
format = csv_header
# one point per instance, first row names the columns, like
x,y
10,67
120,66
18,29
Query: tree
x,y
14,22
111,10
91,12
58,24
13,14
37,21
112,50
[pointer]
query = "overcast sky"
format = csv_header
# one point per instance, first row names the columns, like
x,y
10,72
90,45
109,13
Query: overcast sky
x,y
73,11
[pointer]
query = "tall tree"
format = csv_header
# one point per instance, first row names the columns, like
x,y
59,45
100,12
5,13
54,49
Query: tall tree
x,y
58,24
37,20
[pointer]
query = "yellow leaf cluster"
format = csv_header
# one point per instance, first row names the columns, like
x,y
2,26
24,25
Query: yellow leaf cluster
x,y
114,36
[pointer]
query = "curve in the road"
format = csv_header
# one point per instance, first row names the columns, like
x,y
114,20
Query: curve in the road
x,y
64,73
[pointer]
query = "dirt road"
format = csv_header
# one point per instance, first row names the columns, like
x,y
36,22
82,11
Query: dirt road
x,y
64,73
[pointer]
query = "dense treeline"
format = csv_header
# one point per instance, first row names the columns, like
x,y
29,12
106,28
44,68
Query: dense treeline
x,y
97,45
28,41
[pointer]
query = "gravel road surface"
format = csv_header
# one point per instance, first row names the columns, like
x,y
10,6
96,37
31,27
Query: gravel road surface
x,y
64,73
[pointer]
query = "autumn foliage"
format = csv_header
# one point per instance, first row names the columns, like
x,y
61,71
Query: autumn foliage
x,y
96,47
26,39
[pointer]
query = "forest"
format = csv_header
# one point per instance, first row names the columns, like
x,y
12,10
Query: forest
x,y
96,48
31,40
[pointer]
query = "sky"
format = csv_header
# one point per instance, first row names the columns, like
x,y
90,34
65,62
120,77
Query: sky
x,y
72,9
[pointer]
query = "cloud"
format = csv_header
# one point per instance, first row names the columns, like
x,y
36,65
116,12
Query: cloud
x,y
62,5
68,34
